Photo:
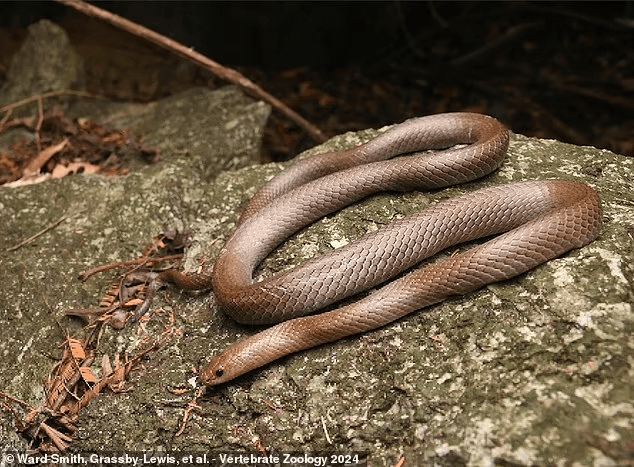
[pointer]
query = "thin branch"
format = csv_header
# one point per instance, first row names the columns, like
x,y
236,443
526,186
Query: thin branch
x,y
62,92
38,125
17,401
39,234
6,117
124,264
197,58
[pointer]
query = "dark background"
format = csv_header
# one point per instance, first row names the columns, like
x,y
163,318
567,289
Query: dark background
x,y
560,70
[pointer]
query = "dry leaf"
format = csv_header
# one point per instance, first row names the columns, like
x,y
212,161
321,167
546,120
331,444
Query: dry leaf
x,y
76,349
60,171
88,375
34,166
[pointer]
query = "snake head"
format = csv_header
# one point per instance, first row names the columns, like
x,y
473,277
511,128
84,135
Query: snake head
x,y
230,364
245,356
215,373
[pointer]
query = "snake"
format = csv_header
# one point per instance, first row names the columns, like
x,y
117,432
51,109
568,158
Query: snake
x,y
530,223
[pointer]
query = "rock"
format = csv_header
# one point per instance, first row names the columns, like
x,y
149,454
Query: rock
x,y
45,62
533,371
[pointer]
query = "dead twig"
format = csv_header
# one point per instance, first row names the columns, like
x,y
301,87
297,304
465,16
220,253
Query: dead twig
x,y
60,440
71,384
323,425
6,118
38,125
63,92
39,234
18,420
223,72
14,399
191,406
123,264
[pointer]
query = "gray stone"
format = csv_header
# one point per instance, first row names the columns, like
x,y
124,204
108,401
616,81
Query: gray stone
x,y
45,62
533,371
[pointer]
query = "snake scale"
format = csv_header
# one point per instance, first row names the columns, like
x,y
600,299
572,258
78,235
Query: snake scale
x,y
537,221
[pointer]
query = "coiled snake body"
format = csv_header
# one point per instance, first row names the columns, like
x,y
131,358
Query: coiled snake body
x,y
538,221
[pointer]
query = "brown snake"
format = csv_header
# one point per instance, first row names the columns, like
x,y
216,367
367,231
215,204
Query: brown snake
x,y
538,221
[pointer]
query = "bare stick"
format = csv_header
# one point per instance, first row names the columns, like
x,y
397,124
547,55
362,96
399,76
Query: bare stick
x,y
197,58
28,100
38,125
39,234
124,264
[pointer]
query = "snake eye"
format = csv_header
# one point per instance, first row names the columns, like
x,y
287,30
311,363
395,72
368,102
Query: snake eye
x,y
220,372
